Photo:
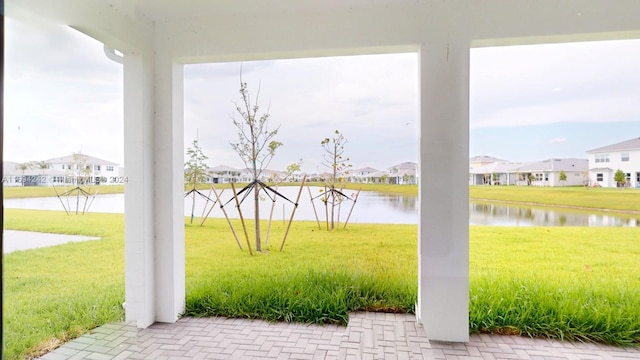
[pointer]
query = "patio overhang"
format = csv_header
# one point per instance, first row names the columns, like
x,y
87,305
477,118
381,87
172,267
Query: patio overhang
x,y
157,37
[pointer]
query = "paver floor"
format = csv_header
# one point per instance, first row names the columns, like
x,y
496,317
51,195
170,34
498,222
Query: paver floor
x,y
368,336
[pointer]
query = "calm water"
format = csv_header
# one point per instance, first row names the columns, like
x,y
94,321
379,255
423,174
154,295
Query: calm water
x,y
371,207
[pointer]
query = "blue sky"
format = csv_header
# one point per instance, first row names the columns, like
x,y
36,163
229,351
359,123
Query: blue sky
x,y
527,102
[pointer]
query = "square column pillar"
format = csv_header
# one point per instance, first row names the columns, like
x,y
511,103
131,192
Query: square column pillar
x,y
168,176
138,192
154,207
443,244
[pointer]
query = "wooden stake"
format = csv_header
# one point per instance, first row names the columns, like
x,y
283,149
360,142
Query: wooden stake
x,y
244,227
205,217
226,216
293,212
61,202
314,208
326,206
352,205
273,205
204,208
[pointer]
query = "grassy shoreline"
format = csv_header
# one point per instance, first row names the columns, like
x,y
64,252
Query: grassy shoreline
x,y
573,283
597,199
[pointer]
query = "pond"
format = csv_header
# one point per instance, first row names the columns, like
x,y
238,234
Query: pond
x,y
371,207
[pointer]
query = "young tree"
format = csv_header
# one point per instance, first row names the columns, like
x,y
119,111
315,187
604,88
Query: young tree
x,y
563,177
195,168
620,178
530,179
79,169
256,145
338,164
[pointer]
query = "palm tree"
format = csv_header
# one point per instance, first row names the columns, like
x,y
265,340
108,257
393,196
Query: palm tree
x,y
42,165
23,167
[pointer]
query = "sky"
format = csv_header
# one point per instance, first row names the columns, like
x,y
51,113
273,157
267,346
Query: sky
x,y
527,103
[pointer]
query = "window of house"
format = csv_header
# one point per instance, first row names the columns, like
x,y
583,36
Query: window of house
x,y
538,177
624,156
109,168
546,177
62,166
602,158
97,167
627,177
599,177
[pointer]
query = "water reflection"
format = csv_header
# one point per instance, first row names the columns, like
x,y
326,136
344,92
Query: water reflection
x,y
509,215
371,207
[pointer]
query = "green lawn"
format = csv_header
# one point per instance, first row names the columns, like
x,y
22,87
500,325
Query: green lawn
x,y
573,283
595,198
48,191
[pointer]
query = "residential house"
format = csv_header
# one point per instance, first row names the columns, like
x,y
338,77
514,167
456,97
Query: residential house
x,y
481,161
75,169
548,172
222,174
365,175
605,161
31,175
84,169
537,173
403,173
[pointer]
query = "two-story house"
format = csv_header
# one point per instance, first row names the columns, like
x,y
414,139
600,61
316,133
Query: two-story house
x,y
605,161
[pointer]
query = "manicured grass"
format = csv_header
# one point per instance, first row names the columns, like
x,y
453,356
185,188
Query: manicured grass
x,y
595,198
567,282
48,191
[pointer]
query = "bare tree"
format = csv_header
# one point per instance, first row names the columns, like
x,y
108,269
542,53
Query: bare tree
x,y
256,145
334,159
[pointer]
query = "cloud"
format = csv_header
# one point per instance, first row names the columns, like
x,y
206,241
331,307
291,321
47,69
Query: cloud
x,y
558,140
539,84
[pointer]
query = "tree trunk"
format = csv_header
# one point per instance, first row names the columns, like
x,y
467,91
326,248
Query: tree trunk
x,y
256,201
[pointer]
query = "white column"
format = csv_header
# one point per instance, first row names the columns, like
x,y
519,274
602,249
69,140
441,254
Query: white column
x,y
168,148
139,205
443,246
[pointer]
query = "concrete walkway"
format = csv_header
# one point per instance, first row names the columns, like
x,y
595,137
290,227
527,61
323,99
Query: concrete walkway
x,y
368,336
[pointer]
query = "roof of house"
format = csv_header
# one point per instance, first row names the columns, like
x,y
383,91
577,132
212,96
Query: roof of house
x,y
11,168
71,159
405,165
364,170
222,168
557,165
631,144
485,158
544,165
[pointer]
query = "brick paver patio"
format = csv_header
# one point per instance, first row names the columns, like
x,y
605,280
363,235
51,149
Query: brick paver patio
x,y
368,336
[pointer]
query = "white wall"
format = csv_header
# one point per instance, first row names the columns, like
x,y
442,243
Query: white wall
x,y
615,162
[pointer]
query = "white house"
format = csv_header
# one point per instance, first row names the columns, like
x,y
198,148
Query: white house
x,y
365,175
403,173
84,169
67,170
223,174
538,173
155,39
605,161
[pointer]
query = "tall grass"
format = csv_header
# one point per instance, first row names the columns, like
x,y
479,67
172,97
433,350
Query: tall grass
x,y
572,283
